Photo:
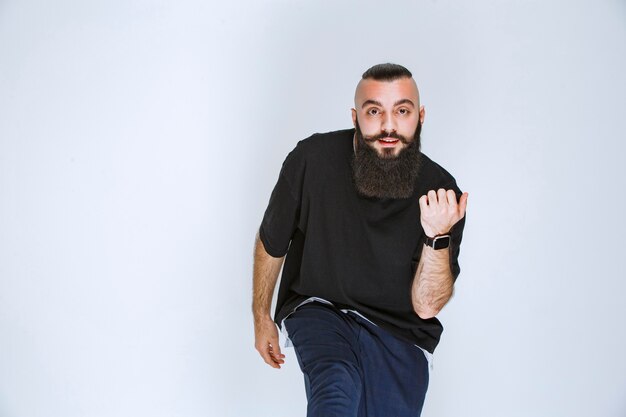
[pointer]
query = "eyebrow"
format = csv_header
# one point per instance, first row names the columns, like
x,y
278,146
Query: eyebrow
x,y
397,103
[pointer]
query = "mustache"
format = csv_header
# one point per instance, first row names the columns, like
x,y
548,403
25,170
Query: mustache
x,y
384,135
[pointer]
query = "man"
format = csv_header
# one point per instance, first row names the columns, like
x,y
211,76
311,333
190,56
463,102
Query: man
x,y
371,230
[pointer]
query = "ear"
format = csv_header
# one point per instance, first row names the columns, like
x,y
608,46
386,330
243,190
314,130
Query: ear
x,y
353,111
422,114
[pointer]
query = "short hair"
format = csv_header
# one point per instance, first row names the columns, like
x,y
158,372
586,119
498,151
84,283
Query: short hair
x,y
386,72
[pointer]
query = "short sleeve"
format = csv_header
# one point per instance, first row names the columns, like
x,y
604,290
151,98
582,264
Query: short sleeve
x,y
282,214
456,235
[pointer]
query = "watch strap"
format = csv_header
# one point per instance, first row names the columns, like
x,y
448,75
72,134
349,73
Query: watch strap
x,y
438,242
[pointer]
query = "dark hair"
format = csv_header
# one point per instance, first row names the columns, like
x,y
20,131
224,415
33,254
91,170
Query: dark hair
x,y
387,72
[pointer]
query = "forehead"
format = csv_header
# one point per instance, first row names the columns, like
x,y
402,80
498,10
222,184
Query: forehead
x,y
386,92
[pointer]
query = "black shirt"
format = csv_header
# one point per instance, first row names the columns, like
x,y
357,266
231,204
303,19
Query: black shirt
x,y
357,252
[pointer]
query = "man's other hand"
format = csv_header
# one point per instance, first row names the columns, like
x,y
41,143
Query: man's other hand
x,y
266,342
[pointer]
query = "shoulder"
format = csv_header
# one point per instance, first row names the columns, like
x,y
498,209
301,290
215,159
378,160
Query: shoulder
x,y
323,142
322,147
433,176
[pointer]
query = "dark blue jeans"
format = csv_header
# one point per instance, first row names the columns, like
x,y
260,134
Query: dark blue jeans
x,y
353,368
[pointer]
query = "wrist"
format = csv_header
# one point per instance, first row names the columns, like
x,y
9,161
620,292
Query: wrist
x,y
433,234
438,242
262,316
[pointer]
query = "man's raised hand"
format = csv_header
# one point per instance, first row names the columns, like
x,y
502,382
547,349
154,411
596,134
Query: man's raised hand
x,y
439,211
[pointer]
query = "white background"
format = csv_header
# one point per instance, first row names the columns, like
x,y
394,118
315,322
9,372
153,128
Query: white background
x,y
139,143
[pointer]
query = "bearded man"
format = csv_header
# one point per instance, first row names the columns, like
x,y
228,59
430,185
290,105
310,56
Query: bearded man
x,y
370,230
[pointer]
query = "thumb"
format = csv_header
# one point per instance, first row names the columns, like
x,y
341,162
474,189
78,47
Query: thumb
x,y
275,349
463,203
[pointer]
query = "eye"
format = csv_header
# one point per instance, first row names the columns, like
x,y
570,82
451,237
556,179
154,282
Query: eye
x,y
373,111
403,111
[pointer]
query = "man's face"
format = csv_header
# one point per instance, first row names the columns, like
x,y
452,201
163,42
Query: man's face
x,y
387,113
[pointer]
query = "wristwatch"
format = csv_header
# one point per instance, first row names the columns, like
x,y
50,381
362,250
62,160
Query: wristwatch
x,y
438,242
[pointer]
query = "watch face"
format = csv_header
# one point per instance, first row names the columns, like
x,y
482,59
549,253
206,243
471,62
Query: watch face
x,y
441,242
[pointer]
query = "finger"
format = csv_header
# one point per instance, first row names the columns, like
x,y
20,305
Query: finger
x,y
275,348
265,354
451,197
441,196
463,204
423,202
275,353
432,198
264,351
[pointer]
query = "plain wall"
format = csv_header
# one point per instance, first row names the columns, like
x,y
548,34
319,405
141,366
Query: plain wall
x,y
140,141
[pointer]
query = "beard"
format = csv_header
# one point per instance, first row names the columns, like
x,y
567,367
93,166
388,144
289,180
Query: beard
x,y
386,175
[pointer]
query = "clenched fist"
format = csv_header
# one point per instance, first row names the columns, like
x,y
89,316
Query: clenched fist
x,y
440,211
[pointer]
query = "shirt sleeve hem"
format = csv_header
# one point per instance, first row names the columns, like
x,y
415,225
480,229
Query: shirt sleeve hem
x,y
268,248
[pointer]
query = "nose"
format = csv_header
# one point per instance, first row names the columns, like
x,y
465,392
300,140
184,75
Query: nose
x,y
388,123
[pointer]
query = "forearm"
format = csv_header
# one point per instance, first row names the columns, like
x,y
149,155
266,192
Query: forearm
x,y
433,282
265,274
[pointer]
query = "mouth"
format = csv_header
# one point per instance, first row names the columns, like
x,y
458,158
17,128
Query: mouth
x,y
388,142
